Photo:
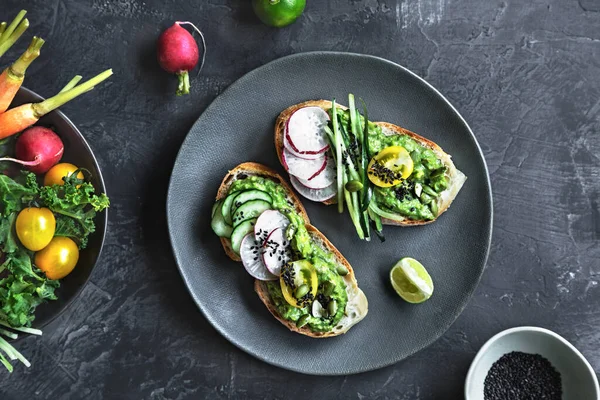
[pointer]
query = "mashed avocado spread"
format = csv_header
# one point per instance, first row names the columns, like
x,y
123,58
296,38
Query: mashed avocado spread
x,y
428,170
304,248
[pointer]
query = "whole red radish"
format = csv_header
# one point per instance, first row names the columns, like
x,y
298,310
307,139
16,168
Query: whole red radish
x,y
38,149
178,53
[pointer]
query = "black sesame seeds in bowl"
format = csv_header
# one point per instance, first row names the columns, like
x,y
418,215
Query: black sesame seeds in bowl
x,y
518,375
530,363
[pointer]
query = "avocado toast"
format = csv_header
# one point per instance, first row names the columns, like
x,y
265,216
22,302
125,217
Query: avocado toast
x,y
302,279
398,195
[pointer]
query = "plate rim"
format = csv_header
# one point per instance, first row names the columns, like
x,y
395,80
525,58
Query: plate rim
x,y
360,369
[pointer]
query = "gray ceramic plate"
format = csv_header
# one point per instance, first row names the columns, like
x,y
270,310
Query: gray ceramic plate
x,y
238,127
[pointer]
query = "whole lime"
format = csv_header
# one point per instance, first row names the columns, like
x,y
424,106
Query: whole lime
x,y
278,13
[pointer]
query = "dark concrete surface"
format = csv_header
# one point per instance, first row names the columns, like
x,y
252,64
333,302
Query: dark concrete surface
x,y
524,74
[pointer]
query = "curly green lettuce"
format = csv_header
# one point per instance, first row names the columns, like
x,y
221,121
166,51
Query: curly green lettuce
x,y
75,204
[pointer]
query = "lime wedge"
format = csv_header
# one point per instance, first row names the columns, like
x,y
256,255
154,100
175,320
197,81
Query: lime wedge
x,y
411,280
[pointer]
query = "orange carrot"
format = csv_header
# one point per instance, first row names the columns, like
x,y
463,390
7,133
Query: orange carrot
x,y
13,76
18,118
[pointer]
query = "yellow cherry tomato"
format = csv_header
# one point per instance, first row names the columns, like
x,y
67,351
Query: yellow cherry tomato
x,y
56,174
295,275
59,258
390,166
35,227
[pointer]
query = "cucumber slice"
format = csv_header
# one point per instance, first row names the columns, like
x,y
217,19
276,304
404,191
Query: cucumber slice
x,y
248,210
226,206
247,196
218,224
214,208
238,233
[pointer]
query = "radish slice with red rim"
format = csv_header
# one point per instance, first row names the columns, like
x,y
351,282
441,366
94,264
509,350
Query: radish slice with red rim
x,y
290,148
301,168
323,179
314,194
276,251
251,254
304,130
267,222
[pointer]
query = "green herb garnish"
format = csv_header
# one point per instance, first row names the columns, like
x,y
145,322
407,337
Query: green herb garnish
x,y
23,287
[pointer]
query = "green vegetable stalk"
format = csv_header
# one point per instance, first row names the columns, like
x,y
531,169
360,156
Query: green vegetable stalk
x,y
11,33
338,158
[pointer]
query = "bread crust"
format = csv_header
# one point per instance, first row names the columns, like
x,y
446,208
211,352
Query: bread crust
x,y
456,177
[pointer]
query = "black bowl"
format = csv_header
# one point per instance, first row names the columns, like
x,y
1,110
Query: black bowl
x,y
78,152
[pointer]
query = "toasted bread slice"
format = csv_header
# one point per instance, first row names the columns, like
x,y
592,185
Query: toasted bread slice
x,y
456,177
357,306
252,168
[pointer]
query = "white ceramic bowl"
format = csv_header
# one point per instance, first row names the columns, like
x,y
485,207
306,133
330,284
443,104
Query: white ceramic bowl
x,y
579,381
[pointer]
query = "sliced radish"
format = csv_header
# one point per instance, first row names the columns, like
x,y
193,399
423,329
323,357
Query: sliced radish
x,y
322,180
276,251
250,252
327,173
302,168
267,223
305,132
290,148
314,194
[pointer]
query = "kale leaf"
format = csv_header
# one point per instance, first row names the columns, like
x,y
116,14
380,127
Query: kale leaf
x,y
69,227
75,204
23,289
14,194
8,239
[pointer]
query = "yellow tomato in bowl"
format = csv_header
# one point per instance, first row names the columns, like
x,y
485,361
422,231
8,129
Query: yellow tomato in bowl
x,y
59,258
35,227
56,174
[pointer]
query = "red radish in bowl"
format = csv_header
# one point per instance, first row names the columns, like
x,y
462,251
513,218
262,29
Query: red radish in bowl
x,y
178,53
38,149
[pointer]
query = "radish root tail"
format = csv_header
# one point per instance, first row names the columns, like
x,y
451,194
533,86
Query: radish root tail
x,y
33,163
201,39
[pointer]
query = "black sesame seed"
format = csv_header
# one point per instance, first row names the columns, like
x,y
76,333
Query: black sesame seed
x,y
518,375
